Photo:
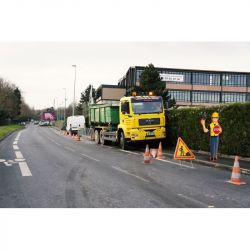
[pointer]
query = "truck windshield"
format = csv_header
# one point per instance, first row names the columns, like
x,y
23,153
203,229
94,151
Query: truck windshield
x,y
147,106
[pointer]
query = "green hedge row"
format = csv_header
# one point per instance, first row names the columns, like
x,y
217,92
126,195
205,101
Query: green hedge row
x,y
234,120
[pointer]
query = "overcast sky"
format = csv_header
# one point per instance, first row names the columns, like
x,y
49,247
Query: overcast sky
x,y
42,69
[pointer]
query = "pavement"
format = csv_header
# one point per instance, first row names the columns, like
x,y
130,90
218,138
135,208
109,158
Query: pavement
x,y
225,162
42,168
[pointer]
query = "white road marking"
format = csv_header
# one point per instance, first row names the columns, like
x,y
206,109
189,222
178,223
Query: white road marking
x,y
175,163
211,206
18,160
91,158
19,155
7,164
24,169
57,143
18,135
2,160
15,147
70,149
193,200
126,172
129,152
15,142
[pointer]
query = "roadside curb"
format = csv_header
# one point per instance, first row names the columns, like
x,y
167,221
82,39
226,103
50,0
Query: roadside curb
x,y
215,165
221,155
82,136
3,138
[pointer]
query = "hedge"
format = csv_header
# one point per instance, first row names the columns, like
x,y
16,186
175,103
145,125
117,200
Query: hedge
x,y
234,120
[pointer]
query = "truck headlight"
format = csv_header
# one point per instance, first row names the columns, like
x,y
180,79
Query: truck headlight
x,y
134,135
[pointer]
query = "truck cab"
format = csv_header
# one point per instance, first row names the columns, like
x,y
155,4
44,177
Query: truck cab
x,y
141,118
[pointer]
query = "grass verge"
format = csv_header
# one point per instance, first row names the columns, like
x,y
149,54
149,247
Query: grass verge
x,y
5,130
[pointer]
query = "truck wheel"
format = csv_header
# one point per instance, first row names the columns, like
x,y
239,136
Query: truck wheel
x,y
97,137
123,142
102,141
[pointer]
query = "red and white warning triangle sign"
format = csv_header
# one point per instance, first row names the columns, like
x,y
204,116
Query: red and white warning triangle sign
x,y
182,152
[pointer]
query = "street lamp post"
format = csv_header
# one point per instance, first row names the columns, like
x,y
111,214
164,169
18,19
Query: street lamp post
x,y
65,104
73,113
57,114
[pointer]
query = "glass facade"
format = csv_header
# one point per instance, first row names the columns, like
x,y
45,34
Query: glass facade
x,y
234,80
233,97
206,97
180,95
206,79
138,74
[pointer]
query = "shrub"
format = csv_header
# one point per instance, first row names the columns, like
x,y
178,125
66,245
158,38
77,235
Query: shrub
x,y
234,120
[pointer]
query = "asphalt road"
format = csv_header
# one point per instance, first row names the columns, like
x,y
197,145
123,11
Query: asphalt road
x,y
39,167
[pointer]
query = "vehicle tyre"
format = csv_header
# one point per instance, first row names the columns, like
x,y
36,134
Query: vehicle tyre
x,y
102,141
123,142
97,136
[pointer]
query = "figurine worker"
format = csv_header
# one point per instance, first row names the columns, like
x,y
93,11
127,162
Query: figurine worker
x,y
215,131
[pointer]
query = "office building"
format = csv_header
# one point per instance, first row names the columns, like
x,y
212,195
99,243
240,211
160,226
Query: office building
x,y
197,87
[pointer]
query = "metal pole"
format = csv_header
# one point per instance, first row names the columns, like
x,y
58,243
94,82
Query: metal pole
x,y
64,105
73,113
56,109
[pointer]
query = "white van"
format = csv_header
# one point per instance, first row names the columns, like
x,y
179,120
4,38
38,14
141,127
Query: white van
x,y
76,122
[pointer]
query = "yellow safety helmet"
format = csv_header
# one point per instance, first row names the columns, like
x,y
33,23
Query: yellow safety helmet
x,y
215,115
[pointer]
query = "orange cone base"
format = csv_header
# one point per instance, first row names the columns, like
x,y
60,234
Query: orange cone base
x,y
236,182
147,162
160,157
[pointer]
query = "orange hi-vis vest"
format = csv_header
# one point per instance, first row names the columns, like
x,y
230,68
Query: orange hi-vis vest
x,y
214,129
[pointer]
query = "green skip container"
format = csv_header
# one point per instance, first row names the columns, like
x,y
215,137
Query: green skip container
x,y
104,114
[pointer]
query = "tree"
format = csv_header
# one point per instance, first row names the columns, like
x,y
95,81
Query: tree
x,y
150,80
82,107
10,100
17,104
12,104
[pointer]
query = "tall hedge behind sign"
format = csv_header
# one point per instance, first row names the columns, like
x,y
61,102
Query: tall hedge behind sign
x,y
234,120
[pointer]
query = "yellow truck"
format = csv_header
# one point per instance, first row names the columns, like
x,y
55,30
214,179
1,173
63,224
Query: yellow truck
x,y
132,119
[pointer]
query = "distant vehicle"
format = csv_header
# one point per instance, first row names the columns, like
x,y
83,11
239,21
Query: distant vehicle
x,y
44,123
36,122
22,123
77,122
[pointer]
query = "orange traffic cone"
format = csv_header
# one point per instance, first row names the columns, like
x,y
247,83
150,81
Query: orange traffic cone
x,y
147,159
77,138
159,153
235,178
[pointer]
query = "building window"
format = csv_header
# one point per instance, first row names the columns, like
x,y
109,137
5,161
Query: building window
x,y
248,97
206,79
180,95
138,74
233,97
234,80
205,97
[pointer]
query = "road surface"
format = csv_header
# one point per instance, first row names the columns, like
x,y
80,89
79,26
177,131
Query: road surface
x,y
40,168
